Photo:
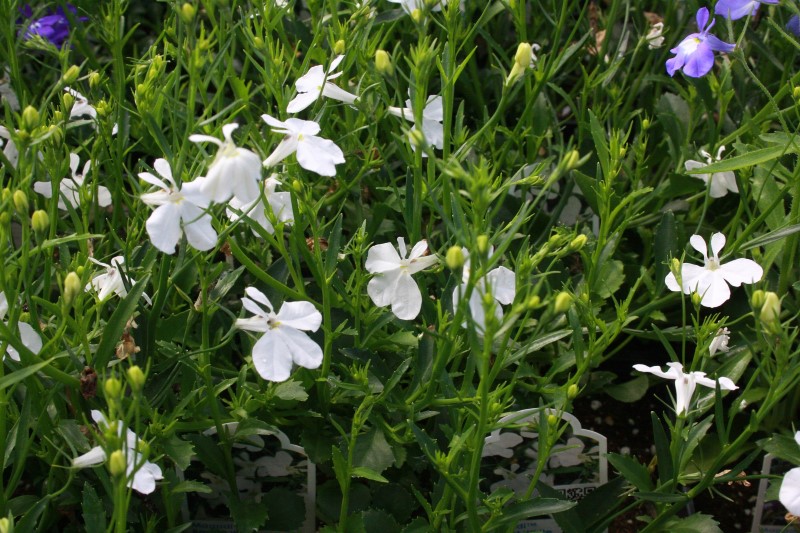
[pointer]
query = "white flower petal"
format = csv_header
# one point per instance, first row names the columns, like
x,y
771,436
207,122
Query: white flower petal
x,y
302,101
715,293
164,228
299,315
284,149
503,283
382,286
741,271
699,244
406,299
717,243
93,457
789,493
305,352
272,357
319,155
153,180
200,233
144,480
382,258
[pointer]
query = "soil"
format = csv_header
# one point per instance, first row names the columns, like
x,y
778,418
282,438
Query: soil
x,y
629,431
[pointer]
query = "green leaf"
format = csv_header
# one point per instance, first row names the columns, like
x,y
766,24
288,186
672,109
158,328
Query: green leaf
x,y
665,468
630,391
535,507
18,375
339,466
225,283
116,325
286,509
377,521
696,523
94,515
666,245
660,497
248,515
291,391
179,451
783,447
634,472
750,159
600,143
192,486
587,185
372,451
368,473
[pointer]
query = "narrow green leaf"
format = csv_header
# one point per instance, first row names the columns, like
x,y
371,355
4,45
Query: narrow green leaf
x,y
750,159
18,375
634,472
192,486
116,324
531,508
368,473
665,468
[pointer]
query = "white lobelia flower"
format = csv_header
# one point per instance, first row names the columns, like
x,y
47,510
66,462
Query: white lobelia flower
x,y
235,171
410,5
178,211
502,444
69,188
81,107
316,83
110,282
283,341
432,117
789,493
500,282
279,202
313,153
719,183
655,37
392,283
30,339
142,474
711,280
720,342
686,383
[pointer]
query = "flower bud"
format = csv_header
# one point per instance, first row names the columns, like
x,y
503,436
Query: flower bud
x,y
571,160
258,42
563,302
696,299
103,108
552,420
533,302
523,56
94,79
483,244
113,388
383,63
40,221
117,464
488,299
68,100
554,241
416,15
188,12
645,124
796,93
757,299
72,288
572,391
20,202
771,312
416,137
6,526
30,118
297,186
454,258
71,75
136,378
577,243
339,47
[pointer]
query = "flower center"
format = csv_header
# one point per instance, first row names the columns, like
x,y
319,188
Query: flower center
x,y
712,264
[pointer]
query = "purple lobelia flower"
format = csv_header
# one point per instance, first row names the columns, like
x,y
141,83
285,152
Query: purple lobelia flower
x,y
794,25
736,9
695,53
54,26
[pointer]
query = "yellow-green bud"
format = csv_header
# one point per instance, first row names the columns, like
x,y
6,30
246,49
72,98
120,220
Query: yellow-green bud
x,y
113,388
572,391
136,378
297,186
6,194
72,288
512,4
454,258
187,12
771,312
675,266
577,243
417,137
6,526
383,63
563,302
68,100
339,47
258,42
30,118
645,124
523,56
488,299
533,302
20,202
483,243
757,299
40,221
71,74
696,299
571,159
416,15
94,79
103,108
80,270
117,464
796,93
5,218
553,241
552,420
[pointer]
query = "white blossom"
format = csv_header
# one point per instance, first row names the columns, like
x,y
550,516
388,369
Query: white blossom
x,y
719,183
110,282
283,341
789,493
69,188
500,282
235,171
178,210
432,117
685,384
142,474
9,149
29,337
655,37
392,283
720,342
313,153
279,202
316,83
502,444
711,280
